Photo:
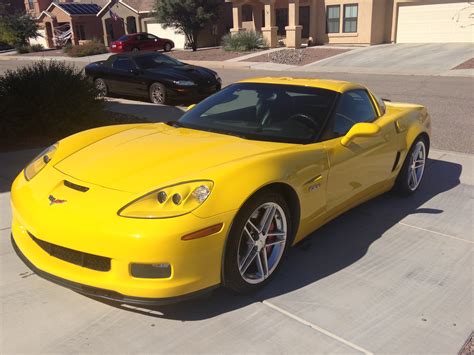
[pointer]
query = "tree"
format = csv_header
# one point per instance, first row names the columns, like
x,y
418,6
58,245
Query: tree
x,y
17,29
187,16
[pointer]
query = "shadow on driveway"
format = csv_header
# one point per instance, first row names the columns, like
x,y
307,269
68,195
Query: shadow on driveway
x,y
332,248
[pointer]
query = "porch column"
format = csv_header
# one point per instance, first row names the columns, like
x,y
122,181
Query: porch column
x,y
74,39
104,28
237,18
269,32
257,10
293,30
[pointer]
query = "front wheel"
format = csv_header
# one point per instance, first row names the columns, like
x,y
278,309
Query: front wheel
x,y
412,171
257,242
167,47
101,87
157,93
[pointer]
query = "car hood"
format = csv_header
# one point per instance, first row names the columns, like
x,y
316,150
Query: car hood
x,y
182,72
151,156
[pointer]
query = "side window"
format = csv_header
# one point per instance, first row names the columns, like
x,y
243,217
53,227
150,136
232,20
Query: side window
x,y
354,106
142,37
149,36
123,64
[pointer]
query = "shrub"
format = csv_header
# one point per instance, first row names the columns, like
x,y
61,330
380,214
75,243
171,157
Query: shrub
x,y
38,47
23,49
92,47
46,99
243,41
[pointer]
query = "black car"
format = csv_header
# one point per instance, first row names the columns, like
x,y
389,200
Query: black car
x,y
153,75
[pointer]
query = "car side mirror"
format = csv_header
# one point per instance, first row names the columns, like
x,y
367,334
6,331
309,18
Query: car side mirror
x,y
190,107
363,129
135,71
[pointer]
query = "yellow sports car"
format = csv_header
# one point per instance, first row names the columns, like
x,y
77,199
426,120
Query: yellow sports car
x,y
151,213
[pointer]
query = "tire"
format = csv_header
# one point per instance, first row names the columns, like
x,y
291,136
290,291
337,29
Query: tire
x,y
101,87
244,267
411,174
157,93
135,49
167,47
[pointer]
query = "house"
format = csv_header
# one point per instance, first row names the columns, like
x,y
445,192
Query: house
x,y
121,17
355,21
68,22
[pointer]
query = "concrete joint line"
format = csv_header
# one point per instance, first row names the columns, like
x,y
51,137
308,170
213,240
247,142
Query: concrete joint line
x,y
438,233
315,327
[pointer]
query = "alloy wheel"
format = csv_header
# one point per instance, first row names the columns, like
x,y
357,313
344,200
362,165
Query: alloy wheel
x,y
262,243
416,167
101,88
157,94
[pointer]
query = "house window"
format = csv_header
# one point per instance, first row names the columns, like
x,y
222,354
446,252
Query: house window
x,y
80,32
131,24
281,20
333,17
350,18
247,13
31,5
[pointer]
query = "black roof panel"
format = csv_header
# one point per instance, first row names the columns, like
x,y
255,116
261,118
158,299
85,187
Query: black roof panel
x,y
80,9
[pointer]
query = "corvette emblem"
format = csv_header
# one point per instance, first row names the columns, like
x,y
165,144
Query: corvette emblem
x,y
53,200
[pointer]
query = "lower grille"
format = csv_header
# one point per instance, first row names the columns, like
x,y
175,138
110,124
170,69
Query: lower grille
x,y
90,261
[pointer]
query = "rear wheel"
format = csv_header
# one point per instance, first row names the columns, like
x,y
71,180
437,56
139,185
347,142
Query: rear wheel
x,y
257,242
157,93
135,49
167,47
101,87
412,171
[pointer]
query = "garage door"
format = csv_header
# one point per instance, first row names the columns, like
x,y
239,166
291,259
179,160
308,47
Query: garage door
x,y
158,30
435,23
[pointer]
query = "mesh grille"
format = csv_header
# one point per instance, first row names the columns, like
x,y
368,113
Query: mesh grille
x,y
90,261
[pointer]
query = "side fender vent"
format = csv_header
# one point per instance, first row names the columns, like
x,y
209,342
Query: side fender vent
x,y
395,163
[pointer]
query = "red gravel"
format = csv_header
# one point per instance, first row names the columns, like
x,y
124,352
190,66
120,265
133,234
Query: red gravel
x,y
309,55
215,54
468,64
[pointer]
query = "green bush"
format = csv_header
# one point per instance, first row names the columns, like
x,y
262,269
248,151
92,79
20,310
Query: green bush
x,y
243,41
23,49
46,99
89,48
38,47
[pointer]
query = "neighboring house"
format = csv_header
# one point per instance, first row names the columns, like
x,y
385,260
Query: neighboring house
x,y
121,17
62,23
355,21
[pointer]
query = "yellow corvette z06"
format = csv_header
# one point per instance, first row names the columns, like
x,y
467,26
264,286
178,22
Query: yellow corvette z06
x,y
153,213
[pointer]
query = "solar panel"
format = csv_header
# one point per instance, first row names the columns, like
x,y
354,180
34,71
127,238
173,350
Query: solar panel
x,y
80,9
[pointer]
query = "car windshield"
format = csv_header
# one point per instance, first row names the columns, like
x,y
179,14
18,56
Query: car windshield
x,y
154,60
279,113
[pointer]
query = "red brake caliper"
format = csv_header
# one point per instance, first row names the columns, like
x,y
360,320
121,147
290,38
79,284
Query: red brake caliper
x,y
270,239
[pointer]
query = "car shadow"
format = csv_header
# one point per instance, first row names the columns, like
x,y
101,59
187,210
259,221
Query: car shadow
x,y
326,251
145,111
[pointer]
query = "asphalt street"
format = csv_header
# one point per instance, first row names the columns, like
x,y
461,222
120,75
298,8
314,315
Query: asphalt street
x,y
450,100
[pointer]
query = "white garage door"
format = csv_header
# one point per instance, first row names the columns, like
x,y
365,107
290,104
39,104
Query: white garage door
x,y
158,30
436,23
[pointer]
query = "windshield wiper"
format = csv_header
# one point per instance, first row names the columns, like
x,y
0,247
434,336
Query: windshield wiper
x,y
175,124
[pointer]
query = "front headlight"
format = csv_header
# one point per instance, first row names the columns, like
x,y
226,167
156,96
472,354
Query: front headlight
x,y
38,163
171,201
184,82
218,78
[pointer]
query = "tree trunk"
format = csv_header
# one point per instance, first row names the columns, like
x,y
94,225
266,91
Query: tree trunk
x,y
195,39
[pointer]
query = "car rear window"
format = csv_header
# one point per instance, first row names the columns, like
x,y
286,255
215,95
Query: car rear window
x,y
124,38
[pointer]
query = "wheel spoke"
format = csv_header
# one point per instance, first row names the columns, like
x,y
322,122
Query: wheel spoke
x,y
260,267
264,261
267,219
276,242
414,177
249,257
250,223
249,235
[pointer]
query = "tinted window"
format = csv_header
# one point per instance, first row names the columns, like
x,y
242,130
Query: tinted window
x,y
142,37
354,106
123,38
155,60
123,64
149,36
280,113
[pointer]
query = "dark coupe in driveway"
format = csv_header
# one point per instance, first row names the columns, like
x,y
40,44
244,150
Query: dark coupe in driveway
x,y
153,75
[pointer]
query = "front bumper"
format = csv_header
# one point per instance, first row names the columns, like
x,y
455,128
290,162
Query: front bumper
x,y
195,264
193,93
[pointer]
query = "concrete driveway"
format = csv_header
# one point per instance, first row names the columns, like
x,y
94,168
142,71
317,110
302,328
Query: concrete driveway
x,y
428,59
392,276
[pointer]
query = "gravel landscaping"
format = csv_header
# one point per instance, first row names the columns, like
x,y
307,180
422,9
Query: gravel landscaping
x,y
298,56
214,54
468,64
